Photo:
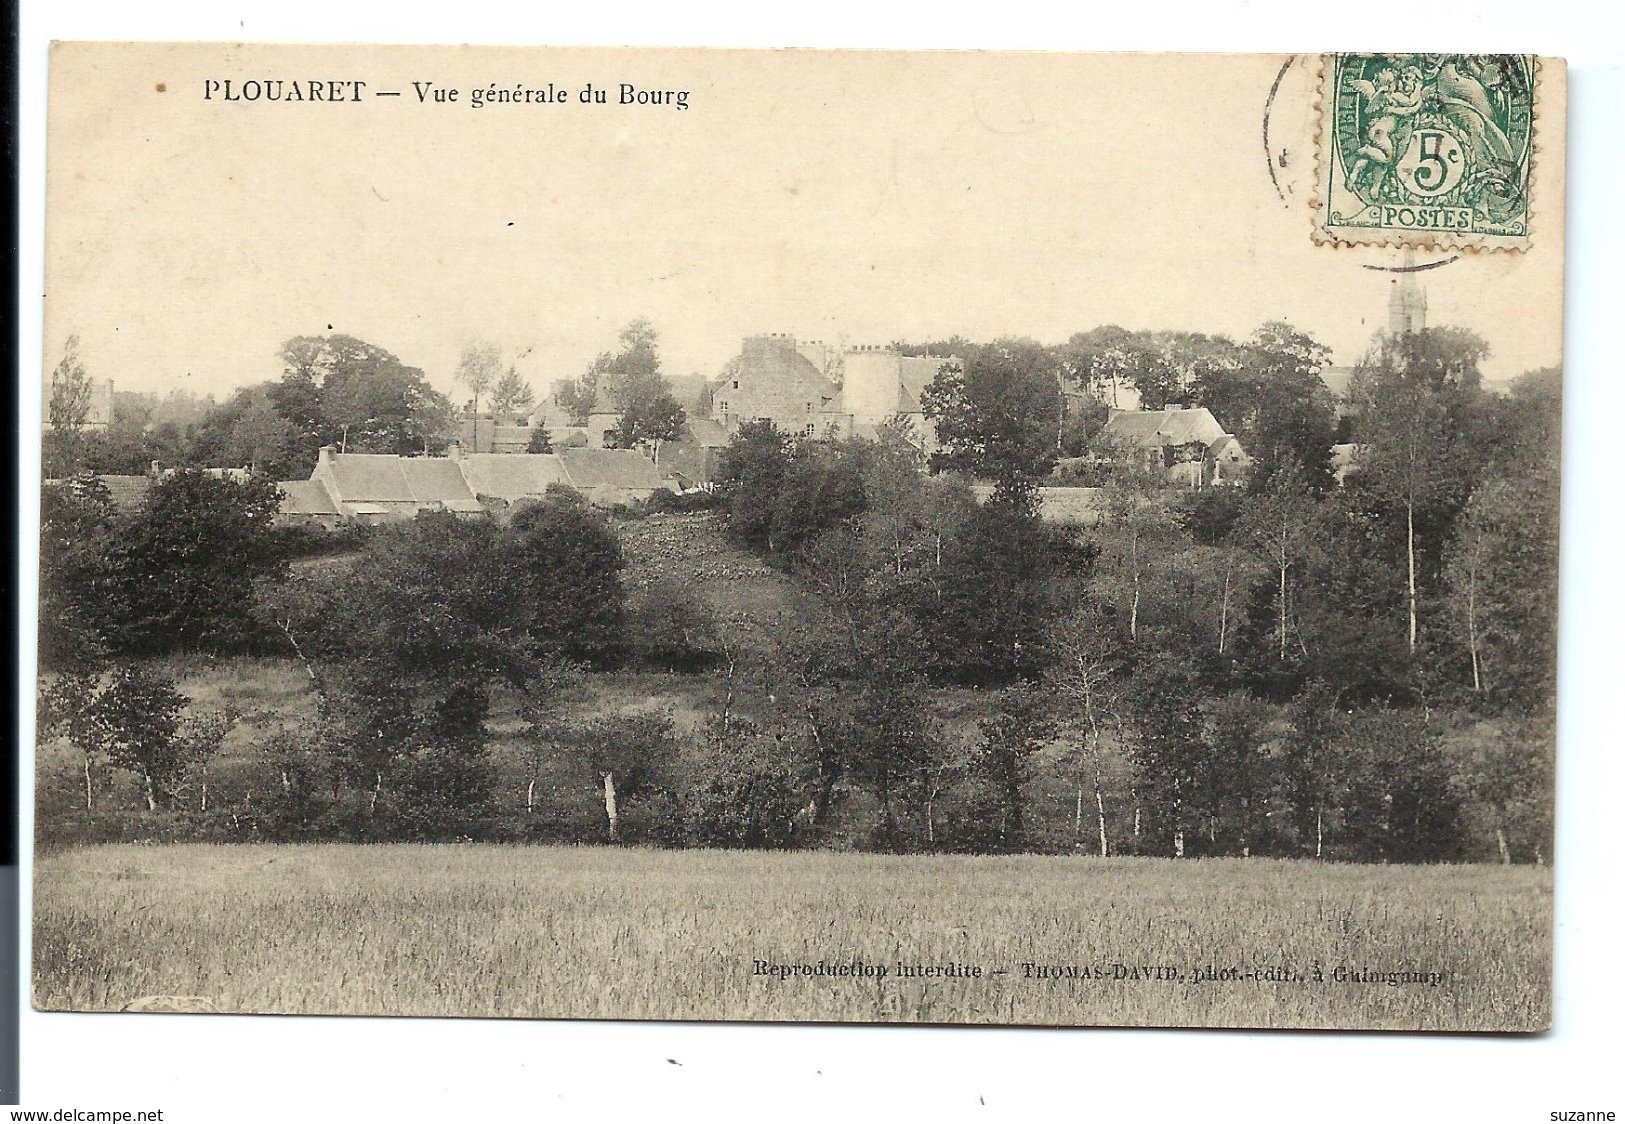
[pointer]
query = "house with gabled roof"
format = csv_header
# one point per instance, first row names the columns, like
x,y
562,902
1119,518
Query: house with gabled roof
x,y
439,483
509,477
1186,445
305,503
611,476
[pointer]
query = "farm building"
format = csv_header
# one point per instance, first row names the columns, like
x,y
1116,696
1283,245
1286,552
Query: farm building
x,y
305,503
381,488
1187,446
693,459
510,477
611,476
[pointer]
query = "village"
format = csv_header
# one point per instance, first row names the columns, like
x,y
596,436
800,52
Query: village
x,y
807,389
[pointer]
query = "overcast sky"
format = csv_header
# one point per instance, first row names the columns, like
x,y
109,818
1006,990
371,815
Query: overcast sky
x,y
864,197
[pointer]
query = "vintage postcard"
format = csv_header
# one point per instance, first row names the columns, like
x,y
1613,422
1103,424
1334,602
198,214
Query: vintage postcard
x,y
800,536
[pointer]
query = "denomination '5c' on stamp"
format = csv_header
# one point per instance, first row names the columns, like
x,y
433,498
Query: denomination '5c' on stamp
x,y
1426,149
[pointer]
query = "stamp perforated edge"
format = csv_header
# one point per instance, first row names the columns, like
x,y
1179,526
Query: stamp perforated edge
x,y
1420,240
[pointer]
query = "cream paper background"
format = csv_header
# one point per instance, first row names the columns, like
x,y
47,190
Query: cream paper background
x,y
433,1070
869,195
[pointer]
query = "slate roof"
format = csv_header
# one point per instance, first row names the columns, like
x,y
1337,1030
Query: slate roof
x,y
126,492
370,477
705,433
437,480
916,372
614,468
511,476
1156,428
305,497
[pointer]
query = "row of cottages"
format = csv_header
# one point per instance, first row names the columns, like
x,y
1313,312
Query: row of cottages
x,y
809,388
1188,447
372,488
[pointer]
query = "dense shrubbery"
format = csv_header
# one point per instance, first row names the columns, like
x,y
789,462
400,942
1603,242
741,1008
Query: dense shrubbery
x,y
1290,669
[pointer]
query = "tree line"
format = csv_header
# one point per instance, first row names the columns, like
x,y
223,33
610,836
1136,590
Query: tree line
x,y
1293,668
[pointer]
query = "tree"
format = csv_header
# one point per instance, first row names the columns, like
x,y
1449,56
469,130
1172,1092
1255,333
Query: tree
x,y
181,570
365,399
1414,394
512,396
1169,748
477,368
1314,762
1083,676
579,397
1281,526
743,793
540,440
1278,406
71,390
68,409
137,722
986,608
627,756
649,413
1501,578
567,568
406,646
67,709
1236,773
1019,726
750,475
892,742
1136,510
998,412
249,429
76,522
823,488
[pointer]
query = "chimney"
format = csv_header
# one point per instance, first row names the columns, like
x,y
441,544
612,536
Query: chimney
x,y
455,451
325,456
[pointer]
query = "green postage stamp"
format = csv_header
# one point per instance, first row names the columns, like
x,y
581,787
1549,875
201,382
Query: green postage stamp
x,y
1426,149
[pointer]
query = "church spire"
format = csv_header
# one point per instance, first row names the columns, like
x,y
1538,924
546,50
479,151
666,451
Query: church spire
x,y
1408,303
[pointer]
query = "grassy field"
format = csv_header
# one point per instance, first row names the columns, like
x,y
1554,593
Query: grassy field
x,y
625,933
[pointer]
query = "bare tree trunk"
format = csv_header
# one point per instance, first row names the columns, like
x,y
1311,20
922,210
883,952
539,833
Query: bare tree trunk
x,y
1179,825
1501,845
1077,817
203,798
611,813
1472,618
377,788
287,785
298,651
152,799
1410,564
1100,816
530,795
1320,824
1134,601
1224,606
90,805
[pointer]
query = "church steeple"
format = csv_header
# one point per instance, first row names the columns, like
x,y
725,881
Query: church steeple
x,y
1408,303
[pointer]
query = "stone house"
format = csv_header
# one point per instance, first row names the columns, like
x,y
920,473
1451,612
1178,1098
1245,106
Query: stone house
x,y
1187,446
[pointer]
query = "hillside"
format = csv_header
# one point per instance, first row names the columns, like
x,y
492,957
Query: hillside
x,y
692,554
